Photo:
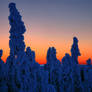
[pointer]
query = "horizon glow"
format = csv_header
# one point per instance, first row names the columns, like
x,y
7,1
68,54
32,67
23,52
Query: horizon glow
x,y
51,23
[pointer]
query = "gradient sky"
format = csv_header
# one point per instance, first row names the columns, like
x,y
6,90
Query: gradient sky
x,y
51,23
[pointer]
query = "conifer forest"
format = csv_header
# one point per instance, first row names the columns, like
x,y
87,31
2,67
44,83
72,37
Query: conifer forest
x,y
21,72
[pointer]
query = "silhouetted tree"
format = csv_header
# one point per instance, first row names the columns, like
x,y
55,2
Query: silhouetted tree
x,y
51,88
17,47
24,72
75,50
30,54
76,69
77,83
3,83
21,72
67,77
53,66
88,75
34,70
16,42
12,69
89,62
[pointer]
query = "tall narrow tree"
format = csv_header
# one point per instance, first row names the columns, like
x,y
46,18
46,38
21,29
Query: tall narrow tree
x,y
75,50
17,45
16,42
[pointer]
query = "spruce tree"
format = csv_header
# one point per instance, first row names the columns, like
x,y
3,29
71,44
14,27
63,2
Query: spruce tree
x,y
16,42
17,46
53,67
89,75
77,83
88,61
67,78
75,50
3,83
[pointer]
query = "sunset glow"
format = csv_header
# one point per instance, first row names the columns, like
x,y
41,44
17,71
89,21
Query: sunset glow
x,y
51,24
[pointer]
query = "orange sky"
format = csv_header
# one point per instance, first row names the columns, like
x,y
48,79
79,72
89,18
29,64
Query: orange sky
x,y
40,45
51,24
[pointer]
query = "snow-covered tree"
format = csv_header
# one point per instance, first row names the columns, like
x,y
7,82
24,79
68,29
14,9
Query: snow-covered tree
x,y
53,66
12,69
51,88
67,78
34,68
16,42
30,54
75,50
17,46
3,83
77,84
88,76
21,72
89,61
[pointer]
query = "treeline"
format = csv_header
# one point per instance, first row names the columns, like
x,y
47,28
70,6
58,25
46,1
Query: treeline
x,y
21,73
